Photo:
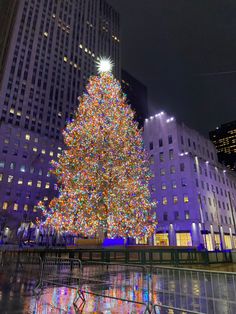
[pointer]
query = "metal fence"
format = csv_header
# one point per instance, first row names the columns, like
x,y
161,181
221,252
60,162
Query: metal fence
x,y
160,289
195,290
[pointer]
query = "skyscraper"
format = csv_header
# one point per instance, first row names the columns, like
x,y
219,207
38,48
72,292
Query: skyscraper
x,y
136,93
49,52
195,194
224,138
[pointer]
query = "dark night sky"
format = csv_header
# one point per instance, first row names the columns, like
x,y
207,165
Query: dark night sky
x,y
181,50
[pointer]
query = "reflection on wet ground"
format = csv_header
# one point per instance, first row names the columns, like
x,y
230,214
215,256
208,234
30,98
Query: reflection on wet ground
x,y
202,292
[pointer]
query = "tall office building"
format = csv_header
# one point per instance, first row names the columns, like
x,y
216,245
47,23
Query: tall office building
x,y
195,194
224,138
50,50
136,93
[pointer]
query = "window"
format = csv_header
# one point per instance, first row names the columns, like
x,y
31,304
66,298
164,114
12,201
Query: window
x,y
22,168
151,145
181,166
51,153
162,171
176,215
27,137
175,199
2,164
45,198
1,177
15,207
183,182
35,209
186,215
35,149
5,205
171,154
165,216
39,183
43,151
10,179
30,183
206,216
209,201
170,140
153,189
182,140
31,169
174,185
186,200
163,186
12,165
47,185
172,169
40,172
20,181
196,182
183,239
164,200
160,142
161,156
26,207
151,160
189,143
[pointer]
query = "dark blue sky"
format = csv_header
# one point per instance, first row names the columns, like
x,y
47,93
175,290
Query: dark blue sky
x,y
185,52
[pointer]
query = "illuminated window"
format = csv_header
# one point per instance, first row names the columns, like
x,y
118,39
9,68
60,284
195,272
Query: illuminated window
x,y
43,151
6,141
172,169
5,205
12,110
186,214
30,183
15,207
228,243
35,209
161,239
22,168
1,176
20,181
171,154
45,34
163,186
164,200
39,184
47,185
186,200
48,174
161,156
40,172
175,199
58,155
26,207
10,179
45,198
65,59
27,137
151,159
12,165
51,153
183,239
31,169
2,164
55,187
174,185
36,140
35,149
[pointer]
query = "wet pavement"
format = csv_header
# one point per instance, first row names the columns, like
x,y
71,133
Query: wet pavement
x,y
198,291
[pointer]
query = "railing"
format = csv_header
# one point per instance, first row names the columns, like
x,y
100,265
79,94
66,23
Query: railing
x,y
159,288
143,256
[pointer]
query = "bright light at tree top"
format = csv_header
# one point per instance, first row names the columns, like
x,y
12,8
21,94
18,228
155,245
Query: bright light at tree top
x,y
104,65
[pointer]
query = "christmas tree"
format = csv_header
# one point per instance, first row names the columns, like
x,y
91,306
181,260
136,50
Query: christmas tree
x,y
104,172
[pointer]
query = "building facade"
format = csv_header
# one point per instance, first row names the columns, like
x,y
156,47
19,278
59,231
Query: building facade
x,y
136,93
195,194
50,52
224,138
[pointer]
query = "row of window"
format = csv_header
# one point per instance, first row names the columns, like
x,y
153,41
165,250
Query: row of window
x,y
174,199
176,215
213,189
38,183
23,168
26,207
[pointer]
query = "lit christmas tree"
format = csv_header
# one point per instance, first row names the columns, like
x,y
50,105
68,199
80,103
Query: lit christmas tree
x,y
104,172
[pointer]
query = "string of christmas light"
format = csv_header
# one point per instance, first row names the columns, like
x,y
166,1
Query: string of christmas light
x,y
104,172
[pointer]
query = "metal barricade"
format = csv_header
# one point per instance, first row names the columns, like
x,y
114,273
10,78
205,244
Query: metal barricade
x,y
195,289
